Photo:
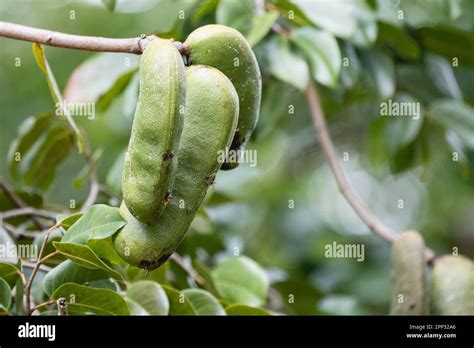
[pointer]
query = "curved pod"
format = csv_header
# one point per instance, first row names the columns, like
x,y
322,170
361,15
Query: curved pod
x,y
212,108
227,49
157,125
409,280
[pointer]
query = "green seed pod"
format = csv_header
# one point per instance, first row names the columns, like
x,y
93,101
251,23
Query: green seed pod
x,y
212,109
157,125
452,286
408,276
226,49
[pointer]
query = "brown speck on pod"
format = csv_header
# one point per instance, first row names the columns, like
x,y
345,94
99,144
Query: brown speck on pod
x,y
168,155
168,197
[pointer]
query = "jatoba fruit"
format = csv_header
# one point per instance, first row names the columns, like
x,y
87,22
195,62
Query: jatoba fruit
x,y
408,276
212,108
226,49
157,125
452,286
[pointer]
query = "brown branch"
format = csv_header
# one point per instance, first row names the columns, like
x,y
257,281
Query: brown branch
x,y
17,201
134,45
354,201
35,270
28,211
189,270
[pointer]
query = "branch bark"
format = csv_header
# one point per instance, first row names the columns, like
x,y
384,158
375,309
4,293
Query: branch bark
x,y
351,197
134,45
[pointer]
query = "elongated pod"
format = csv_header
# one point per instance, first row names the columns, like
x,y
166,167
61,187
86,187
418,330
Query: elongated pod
x,y
157,125
452,286
226,49
212,108
409,284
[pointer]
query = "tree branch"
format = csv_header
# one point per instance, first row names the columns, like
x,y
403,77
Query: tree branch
x,y
28,211
15,199
134,45
354,201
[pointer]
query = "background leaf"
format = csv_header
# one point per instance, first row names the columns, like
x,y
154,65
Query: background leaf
x,y
241,280
238,309
286,65
203,302
5,296
40,57
9,273
179,304
322,51
261,25
150,296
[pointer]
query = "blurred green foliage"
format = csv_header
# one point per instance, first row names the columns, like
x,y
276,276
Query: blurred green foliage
x,y
284,211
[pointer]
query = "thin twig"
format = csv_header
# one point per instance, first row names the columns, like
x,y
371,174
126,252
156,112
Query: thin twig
x,y
28,211
94,182
189,270
35,270
18,232
354,201
18,202
134,45
44,304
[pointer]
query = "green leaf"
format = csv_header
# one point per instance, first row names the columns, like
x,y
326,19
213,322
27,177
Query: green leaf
x,y
42,62
261,25
411,77
454,44
402,130
114,176
29,132
109,5
236,14
69,220
39,166
203,302
337,17
239,309
204,271
292,12
9,273
321,50
5,296
179,304
366,28
82,300
104,248
286,65
135,308
19,298
350,68
85,257
399,40
70,272
382,71
101,78
442,75
241,280
457,117
99,222
150,296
